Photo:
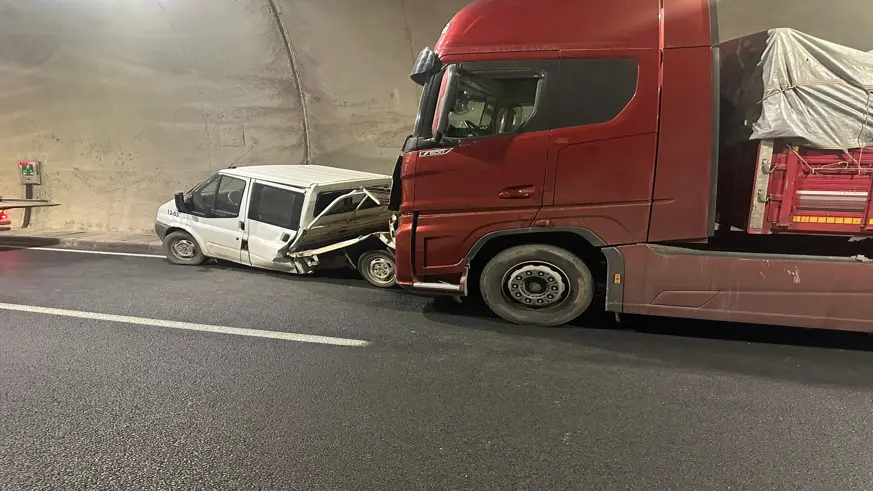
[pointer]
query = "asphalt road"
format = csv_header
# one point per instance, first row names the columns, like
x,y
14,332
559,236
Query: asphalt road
x,y
440,398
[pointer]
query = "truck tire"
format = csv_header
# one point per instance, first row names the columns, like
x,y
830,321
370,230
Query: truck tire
x,y
183,249
538,285
379,268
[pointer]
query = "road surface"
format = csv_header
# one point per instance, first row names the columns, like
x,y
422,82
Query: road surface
x,y
126,372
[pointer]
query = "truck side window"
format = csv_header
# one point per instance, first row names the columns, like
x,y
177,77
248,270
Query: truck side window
x,y
488,105
229,197
275,206
594,91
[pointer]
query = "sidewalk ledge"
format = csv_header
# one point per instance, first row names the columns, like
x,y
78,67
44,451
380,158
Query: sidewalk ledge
x,y
129,243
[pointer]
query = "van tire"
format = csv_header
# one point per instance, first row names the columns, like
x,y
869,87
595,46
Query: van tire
x,y
379,268
181,248
519,278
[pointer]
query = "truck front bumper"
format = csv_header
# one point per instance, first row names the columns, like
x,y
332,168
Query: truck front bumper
x,y
439,287
406,279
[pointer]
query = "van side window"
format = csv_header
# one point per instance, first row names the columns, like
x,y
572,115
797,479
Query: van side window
x,y
276,206
203,196
594,91
218,197
228,199
489,104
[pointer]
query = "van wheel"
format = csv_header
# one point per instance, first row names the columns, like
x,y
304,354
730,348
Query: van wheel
x,y
378,268
538,285
181,248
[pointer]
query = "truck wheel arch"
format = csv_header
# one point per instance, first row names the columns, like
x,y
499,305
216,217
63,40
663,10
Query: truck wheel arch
x,y
581,241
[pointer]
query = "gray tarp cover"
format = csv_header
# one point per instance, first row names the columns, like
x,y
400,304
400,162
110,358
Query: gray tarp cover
x,y
810,91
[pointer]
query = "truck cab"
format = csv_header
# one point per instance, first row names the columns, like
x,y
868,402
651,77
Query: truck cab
x,y
543,118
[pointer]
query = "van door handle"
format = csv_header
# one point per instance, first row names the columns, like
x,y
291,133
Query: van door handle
x,y
517,192
242,225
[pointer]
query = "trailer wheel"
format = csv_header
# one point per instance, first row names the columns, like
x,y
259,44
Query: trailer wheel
x,y
378,268
538,285
183,249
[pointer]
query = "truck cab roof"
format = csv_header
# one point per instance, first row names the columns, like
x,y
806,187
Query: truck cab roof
x,y
307,176
499,26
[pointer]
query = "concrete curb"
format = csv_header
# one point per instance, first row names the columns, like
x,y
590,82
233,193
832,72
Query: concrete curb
x,y
83,244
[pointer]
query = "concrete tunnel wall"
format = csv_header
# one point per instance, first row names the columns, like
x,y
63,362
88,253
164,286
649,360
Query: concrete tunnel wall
x,y
127,101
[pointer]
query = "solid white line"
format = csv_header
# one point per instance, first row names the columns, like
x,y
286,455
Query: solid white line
x,y
80,251
256,333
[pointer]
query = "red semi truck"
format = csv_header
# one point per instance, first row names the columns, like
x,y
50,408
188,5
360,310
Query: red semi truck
x,y
573,150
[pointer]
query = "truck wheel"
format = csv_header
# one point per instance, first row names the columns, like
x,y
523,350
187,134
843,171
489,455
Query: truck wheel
x,y
538,285
181,248
378,268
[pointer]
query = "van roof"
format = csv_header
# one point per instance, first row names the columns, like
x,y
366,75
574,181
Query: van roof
x,y
304,176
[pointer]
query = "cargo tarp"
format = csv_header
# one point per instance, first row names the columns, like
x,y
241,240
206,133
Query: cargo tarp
x,y
790,85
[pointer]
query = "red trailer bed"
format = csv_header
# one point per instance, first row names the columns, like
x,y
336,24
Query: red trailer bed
x,y
809,191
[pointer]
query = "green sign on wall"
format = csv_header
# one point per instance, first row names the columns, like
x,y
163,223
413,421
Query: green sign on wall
x,y
28,169
28,172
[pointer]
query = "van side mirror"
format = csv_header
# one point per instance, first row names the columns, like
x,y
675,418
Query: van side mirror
x,y
182,205
447,101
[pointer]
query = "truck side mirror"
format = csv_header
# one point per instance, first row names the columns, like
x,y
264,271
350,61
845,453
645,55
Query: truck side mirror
x,y
426,65
182,205
446,102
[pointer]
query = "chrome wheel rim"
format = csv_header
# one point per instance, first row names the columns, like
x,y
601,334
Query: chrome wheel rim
x,y
381,270
536,285
184,249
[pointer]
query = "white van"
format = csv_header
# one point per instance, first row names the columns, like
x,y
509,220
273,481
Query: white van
x,y
289,218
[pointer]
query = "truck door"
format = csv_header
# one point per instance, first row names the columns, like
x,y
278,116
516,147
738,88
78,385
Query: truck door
x,y
216,216
273,221
488,171
604,143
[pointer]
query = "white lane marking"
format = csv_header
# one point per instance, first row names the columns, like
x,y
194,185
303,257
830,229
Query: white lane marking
x,y
190,326
79,251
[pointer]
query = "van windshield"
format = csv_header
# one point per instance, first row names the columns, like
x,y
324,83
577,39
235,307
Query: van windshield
x,y
201,184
